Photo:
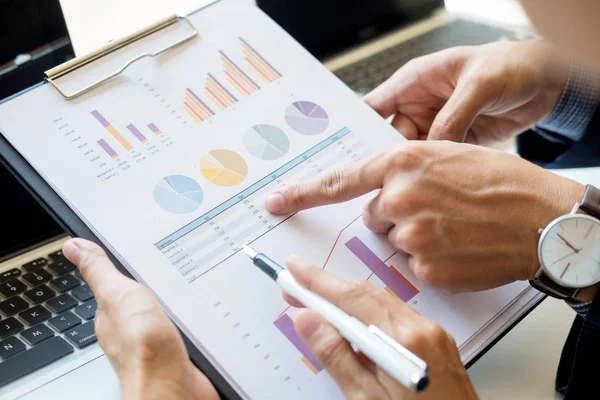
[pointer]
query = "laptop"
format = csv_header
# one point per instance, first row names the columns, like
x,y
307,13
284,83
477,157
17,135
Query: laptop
x,y
47,349
364,42
44,304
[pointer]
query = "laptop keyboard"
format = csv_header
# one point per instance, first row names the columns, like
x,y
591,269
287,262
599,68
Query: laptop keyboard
x,y
365,75
46,312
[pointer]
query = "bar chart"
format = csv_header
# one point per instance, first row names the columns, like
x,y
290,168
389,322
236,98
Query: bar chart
x,y
236,77
218,94
258,64
136,132
286,327
108,149
112,130
395,283
242,75
154,129
138,156
195,107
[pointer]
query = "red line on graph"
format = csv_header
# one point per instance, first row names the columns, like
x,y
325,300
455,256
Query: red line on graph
x,y
337,239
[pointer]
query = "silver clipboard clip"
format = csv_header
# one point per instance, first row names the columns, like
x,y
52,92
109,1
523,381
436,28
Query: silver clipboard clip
x,y
72,65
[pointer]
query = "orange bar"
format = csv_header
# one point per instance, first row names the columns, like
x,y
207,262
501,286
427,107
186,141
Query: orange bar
x,y
261,63
399,275
239,76
220,93
310,366
271,78
193,109
215,97
191,114
258,73
199,108
214,100
236,78
238,87
387,289
119,138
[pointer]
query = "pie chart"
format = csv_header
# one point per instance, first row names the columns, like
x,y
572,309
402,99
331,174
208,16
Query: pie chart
x,y
266,142
178,194
223,167
307,118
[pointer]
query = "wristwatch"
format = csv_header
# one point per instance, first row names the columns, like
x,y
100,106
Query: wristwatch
x,y
569,250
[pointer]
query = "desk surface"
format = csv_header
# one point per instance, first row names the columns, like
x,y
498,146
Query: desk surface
x,y
523,364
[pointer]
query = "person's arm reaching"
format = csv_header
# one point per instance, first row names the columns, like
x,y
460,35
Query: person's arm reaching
x,y
480,94
467,216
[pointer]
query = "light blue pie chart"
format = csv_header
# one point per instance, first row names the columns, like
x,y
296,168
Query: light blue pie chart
x,y
178,194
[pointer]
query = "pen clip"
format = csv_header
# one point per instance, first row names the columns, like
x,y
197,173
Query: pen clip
x,y
398,348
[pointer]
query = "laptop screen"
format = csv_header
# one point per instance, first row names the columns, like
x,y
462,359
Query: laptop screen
x,y
34,32
326,27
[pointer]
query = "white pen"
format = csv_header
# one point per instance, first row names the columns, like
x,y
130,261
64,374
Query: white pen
x,y
395,359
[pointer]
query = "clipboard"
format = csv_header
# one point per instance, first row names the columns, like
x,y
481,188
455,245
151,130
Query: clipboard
x,y
73,224
57,208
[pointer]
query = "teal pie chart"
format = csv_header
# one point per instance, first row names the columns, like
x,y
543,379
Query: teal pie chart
x,y
266,142
178,194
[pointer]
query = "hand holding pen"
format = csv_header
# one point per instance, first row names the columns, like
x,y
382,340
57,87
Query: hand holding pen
x,y
357,375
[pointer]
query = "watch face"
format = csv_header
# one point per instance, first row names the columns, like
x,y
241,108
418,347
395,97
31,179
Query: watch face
x,y
569,251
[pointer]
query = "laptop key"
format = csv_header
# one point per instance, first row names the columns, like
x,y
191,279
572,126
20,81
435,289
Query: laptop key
x,y
35,315
82,293
39,294
61,303
12,287
82,335
13,305
37,277
77,274
57,255
65,282
35,264
10,347
9,327
33,359
37,334
61,267
10,274
86,310
64,321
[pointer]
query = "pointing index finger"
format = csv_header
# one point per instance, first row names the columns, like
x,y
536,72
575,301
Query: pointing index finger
x,y
332,187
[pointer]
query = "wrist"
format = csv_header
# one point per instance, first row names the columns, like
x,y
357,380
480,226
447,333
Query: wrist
x,y
557,197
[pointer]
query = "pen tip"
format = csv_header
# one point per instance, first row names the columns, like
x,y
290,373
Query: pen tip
x,y
249,252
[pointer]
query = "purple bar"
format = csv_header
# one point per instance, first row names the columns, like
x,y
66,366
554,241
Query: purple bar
x,y
154,128
239,69
200,101
223,87
107,148
136,133
261,57
374,263
286,326
100,118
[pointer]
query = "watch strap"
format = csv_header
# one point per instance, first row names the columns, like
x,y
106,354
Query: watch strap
x,y
591,201
546,285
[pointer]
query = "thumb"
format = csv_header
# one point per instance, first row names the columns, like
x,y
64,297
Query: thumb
x,y
457,115
95,267
335,354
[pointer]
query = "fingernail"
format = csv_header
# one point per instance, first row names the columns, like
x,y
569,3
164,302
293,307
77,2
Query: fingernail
x,y
274,202
71,251
309,327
